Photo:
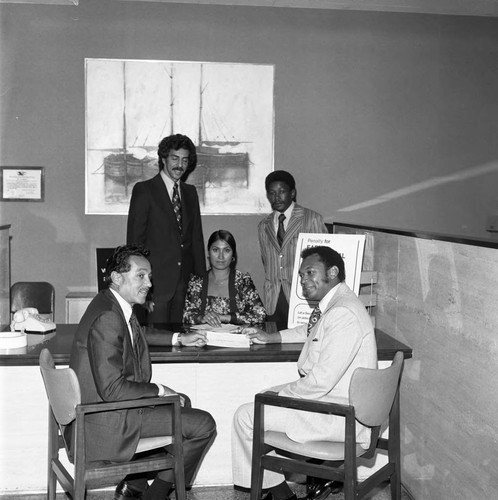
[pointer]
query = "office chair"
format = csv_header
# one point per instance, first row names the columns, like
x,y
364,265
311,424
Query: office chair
x,y
64,397
373,399
39,294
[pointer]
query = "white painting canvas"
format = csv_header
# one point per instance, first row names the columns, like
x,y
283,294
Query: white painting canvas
x,y
225,108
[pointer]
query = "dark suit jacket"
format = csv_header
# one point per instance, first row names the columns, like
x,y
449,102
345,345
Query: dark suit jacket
x,y
152,222
107,368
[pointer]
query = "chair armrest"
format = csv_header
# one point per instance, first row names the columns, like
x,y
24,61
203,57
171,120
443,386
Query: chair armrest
x,y
127,404
327,408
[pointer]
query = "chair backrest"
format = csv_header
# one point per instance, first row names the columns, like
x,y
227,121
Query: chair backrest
x,y
102,255
372,392
39,294
63,388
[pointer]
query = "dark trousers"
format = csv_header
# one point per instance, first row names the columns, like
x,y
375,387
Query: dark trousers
x,y
198,430
281,314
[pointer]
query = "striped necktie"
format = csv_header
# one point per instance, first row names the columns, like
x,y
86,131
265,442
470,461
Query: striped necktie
x,y
177,206
315,316
281,229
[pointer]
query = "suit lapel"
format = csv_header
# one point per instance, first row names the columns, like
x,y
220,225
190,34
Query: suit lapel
x,y
139,365
186,203
270,232
295,223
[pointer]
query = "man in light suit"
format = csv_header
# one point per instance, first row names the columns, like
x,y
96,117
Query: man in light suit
x,y
111,359
164,216
278,233
338,339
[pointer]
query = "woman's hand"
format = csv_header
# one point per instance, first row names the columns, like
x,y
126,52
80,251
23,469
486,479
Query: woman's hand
x,y
196,339
212,319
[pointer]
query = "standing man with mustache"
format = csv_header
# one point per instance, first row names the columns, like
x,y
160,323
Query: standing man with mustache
x,y
278,233
165,217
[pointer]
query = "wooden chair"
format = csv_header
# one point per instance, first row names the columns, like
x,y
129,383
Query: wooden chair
x,y
39,294
65,406
373,399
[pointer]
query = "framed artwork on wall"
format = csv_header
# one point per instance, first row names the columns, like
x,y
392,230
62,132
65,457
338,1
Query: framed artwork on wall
x,y
22,184
225,108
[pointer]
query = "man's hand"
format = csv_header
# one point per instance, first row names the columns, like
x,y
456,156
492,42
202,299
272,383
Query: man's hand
x,y
196,339
258,336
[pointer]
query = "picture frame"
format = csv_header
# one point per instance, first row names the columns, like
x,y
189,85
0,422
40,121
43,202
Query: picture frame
x,y
226,109
22,184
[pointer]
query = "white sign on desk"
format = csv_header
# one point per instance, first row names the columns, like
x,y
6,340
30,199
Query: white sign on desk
x,y
350,246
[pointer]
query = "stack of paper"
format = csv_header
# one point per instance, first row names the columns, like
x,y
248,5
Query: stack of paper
x,y
224,336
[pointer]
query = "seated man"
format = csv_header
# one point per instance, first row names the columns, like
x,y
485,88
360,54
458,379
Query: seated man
x,y
111,359
338,339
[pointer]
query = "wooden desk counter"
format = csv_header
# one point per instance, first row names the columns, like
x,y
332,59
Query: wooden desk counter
x,y
59,343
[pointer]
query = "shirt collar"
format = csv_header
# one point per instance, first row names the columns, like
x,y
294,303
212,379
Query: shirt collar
x,y
125,306
170,183
328,297
287,214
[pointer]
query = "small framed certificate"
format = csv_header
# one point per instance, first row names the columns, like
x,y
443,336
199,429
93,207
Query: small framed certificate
x,y
22,183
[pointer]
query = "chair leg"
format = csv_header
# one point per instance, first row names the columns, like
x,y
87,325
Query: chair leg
x,y
257,449
394,448
52,483
53,451
180,484
256,482
79,488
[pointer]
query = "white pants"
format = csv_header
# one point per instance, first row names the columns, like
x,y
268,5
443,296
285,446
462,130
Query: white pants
x,y
242,432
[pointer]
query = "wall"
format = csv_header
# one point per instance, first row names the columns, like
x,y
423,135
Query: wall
x,y
393,111
439,297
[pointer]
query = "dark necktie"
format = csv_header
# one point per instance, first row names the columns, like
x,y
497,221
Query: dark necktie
x,y
135,330
315,316
281,229
177,206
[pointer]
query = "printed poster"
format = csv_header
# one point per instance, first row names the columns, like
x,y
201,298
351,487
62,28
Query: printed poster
x,y
350,246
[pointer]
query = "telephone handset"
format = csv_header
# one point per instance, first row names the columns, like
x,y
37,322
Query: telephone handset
x,y
30,321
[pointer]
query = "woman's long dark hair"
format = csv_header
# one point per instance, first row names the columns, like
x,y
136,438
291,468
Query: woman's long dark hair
x,y
227,237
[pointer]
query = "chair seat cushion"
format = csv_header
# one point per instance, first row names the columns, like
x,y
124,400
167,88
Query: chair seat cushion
x,y
152,443
323,450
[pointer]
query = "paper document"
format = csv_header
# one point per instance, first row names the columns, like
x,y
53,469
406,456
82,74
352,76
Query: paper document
x,y
224,336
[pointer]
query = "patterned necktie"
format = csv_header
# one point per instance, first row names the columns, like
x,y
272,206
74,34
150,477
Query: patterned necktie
x,y
177,206
281,229
315,316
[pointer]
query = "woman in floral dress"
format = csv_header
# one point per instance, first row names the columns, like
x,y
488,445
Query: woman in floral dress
x,y
224,294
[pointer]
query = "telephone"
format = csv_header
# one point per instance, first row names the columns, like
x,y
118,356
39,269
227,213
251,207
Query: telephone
x,y
30,321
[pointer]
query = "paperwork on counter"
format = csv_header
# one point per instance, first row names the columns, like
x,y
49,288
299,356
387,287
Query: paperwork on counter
x,y
224,336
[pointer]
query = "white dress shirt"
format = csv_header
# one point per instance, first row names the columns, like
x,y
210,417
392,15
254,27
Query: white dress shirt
x,y
170,184
287,214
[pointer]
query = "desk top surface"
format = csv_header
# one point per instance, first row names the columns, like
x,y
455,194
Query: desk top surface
x,y
60,341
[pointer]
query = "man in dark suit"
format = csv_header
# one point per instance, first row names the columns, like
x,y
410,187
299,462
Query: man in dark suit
x,y
112,362
165,217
